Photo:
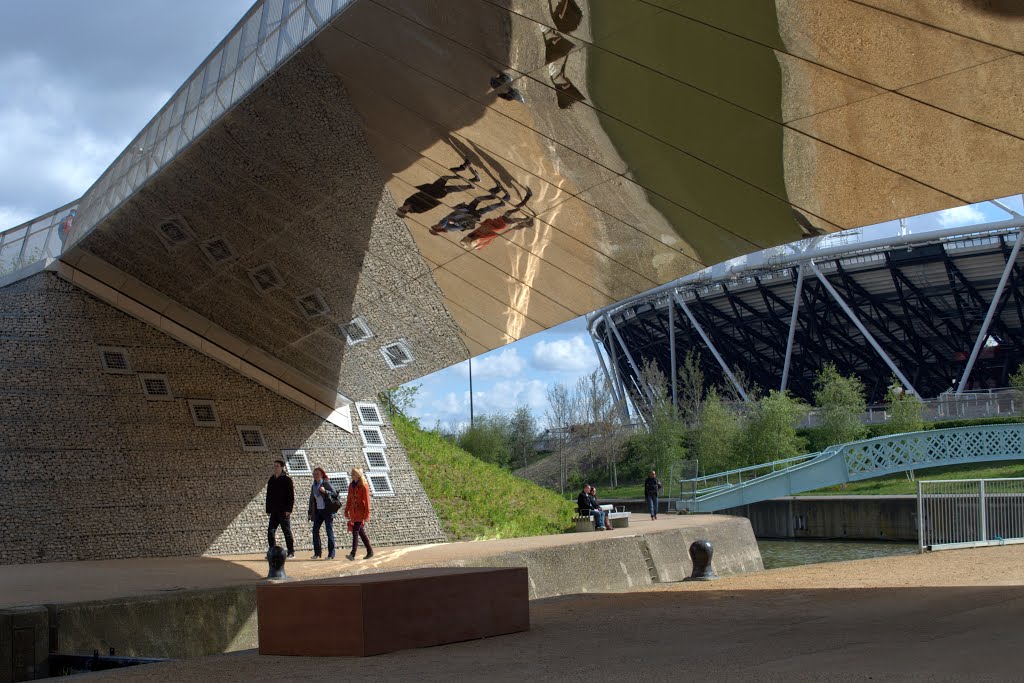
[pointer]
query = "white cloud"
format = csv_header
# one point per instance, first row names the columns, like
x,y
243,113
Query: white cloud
x,y
573,355
507,363
961,215
507,395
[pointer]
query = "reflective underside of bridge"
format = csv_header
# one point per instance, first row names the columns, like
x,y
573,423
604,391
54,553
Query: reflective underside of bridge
x,y
551,157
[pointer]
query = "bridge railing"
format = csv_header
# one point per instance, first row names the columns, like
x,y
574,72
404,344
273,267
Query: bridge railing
x,y
969,513
33,240
698,487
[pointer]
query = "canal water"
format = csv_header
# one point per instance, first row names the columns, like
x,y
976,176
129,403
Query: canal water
x,y
777,554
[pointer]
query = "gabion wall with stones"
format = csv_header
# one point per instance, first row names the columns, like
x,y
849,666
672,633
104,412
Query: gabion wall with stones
x,y
92,469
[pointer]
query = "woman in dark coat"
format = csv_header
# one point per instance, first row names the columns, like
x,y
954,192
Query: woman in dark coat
x,y
319,512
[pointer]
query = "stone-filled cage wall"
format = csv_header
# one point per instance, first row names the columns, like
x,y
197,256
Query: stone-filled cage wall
x,y
118,441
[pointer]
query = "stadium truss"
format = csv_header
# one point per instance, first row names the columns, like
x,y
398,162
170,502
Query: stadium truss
x,y
941,310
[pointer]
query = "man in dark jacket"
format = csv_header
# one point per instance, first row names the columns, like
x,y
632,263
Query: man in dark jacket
x,y
280,501
651,488
587,506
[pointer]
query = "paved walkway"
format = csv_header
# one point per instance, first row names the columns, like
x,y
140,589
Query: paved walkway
x,y
56,582
952,615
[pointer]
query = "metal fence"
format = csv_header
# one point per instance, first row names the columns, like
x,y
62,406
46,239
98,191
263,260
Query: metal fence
x,y
968,513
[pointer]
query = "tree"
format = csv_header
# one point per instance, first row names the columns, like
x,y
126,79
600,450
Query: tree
x,y
841,404
561,415
660,445
401,399
770,430
603,432
906,411
522,435
690,389
487,439
1017,379
716,436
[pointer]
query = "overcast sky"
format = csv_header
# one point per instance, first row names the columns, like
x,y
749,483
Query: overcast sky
x,y
80,78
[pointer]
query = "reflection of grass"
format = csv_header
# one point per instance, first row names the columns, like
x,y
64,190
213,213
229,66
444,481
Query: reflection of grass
x,y
474,499
19,263
898,484
726,137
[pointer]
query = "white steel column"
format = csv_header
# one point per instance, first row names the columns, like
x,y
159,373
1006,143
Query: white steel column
x,y
983,332
622,345
863,330
707,340
672,349
604,367
792,326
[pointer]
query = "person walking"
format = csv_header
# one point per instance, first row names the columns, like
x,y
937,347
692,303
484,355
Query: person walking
x,y
280,501
319,512
357,511
651,488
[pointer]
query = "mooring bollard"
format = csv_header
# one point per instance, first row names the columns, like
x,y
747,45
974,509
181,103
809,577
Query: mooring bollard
x,y
700,555
275,559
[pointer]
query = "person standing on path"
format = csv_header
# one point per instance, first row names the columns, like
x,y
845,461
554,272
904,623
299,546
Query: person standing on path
x,y
357,510
651,488
280,501
319,514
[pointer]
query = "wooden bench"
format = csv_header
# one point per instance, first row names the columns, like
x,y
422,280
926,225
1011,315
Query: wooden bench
x,y
371,614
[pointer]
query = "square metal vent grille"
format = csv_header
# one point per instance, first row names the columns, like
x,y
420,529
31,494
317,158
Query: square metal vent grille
x,y
115,360
372,436
297,461
252,438
340,481
369,413
356,331
265,278
313,304
156,387
380,484
174,231
217,250
203,413
375,459
397,354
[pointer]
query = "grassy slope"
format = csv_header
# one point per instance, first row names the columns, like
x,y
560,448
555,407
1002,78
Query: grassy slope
x,y
476,500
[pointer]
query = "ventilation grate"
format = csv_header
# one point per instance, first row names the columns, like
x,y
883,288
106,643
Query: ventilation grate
x,y
380,484
265,278
356,331
369,414
313,304
252,438
203,413
114,360
372,436
340,481
174,231
375,459
217,250
397,354
297,461
156,387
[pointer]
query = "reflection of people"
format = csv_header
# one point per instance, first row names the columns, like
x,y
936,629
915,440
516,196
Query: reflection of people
x,y
492,227
651,488
65,228
566,93
567,15
430,195
806,227
357,510
585,506
502,83
556,46
466,215
280,500
319,514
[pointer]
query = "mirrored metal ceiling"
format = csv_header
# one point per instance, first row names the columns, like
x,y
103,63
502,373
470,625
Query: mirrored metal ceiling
x,y
454,175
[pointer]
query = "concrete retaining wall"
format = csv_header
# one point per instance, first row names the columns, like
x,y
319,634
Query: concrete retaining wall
x,y
869,518
200,622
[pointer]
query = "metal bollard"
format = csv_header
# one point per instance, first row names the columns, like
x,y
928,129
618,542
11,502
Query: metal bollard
x,y
700,555
275,559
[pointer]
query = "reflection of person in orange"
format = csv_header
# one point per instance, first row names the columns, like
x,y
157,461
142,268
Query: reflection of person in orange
x,y
65,228
430,195
492,227
466,215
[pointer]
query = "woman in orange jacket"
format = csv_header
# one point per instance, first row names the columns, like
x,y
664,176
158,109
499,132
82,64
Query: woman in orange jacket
x,y
357,511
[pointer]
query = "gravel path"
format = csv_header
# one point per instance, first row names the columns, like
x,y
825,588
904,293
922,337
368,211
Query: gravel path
x,y
952,615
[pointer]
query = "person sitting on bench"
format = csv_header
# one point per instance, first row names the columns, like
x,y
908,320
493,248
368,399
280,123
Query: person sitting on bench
x,y
606,509
587,507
